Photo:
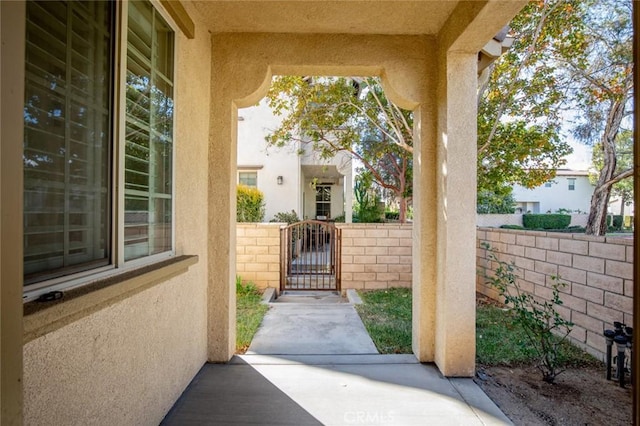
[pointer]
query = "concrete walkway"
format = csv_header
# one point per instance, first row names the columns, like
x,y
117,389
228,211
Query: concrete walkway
x,y
311,363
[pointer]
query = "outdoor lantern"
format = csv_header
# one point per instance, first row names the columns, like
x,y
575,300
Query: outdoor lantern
x,y
609,336
280,180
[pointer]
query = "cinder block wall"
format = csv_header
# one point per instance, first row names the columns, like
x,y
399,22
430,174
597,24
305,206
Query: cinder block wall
x,y
258,253
373,255
598,272
376,256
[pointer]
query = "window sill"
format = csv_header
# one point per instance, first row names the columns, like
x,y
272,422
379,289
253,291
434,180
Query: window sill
x,y
41,318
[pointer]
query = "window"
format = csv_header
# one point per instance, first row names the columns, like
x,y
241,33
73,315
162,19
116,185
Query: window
x,y
547,184
71,195
323,201
572,184
248,178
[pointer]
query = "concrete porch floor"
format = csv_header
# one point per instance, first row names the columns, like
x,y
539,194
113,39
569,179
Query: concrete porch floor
x,y
287,384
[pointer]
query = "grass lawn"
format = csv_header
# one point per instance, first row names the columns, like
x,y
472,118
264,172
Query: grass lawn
x,y
386,314
249,314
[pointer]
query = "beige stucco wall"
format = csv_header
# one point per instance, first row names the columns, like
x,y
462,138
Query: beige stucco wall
x,y
598,272
127,364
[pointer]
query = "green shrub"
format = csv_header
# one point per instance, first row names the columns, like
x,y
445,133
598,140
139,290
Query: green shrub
x,y
615,222
250,204
545,329
339,219
511,227
286,217
546,221
391,215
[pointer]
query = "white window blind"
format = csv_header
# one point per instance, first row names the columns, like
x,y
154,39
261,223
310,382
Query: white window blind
x,y
67,137
149,133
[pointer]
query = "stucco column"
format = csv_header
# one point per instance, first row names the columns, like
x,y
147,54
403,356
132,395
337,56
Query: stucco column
x,y
456,214
234,84
348,198
12,26
424,231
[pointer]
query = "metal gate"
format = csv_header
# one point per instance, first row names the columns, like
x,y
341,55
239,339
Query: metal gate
x,y
310,253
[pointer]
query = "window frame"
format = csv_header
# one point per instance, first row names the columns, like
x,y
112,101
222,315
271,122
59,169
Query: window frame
x,y
325,203
255,172
117,264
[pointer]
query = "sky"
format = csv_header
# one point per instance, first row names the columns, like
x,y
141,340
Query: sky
x,y
580,159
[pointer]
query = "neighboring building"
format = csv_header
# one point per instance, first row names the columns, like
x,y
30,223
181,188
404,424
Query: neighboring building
x,y
569,190
291,177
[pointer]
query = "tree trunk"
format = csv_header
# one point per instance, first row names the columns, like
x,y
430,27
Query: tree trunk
x,y
623,200
402,216
597,222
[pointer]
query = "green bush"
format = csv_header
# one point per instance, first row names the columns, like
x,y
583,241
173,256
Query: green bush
x,y
615,222
546,221
250,204
511,227
391,215
545,329
286,217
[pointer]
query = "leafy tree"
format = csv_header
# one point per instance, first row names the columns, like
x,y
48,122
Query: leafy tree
x,y
349,115
367,199
520,105
602,91
497,201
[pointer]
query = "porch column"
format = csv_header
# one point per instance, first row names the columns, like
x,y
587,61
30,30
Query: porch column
x,y
12,27
424,264
456,214
348,198
234,84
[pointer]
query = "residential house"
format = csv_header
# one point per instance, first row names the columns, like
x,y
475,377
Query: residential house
x,y
291,177
569,190
118,172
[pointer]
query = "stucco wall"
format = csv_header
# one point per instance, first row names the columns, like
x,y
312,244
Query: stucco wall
x,y
543,199
598,272
373,255
128,363
256,123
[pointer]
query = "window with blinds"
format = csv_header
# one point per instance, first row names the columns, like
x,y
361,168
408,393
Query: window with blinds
x,y
149,133
72,187
67,137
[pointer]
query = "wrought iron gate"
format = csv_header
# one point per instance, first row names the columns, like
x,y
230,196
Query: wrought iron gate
x,y
310,253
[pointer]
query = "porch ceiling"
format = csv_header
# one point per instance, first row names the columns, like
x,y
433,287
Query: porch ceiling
x,y
334,17
321,172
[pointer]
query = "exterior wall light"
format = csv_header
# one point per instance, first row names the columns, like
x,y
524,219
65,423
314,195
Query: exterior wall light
x,y
280,180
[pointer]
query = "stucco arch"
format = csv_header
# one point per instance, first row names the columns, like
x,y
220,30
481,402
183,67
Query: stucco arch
x,y
420,73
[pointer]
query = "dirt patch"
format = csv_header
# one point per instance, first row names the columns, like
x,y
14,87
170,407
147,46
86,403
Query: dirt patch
x,y
578,397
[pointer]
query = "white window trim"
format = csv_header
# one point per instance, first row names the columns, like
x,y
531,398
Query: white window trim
x,y
118,265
